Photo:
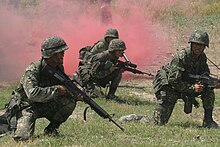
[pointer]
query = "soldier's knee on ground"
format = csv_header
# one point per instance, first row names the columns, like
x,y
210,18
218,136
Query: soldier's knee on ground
x,y
161,115
25,127
157,118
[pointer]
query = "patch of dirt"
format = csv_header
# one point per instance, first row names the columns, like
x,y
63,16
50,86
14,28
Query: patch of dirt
x,y
136,81
144,96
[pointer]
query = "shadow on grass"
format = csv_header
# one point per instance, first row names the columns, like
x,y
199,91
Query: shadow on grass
x,y
129,86
132,101
188,124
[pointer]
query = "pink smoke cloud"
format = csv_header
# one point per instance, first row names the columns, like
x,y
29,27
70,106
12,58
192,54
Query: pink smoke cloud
x,y
23,29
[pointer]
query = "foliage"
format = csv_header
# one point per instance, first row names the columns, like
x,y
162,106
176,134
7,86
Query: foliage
x,y
212,8
29,3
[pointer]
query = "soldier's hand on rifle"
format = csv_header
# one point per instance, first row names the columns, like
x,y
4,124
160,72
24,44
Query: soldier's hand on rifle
x,y
80,98
122,70
62,90
109,65
198,86
112,68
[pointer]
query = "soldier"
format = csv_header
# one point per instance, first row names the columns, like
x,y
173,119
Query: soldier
x,y
101,69
172,82
38,95
83,74
102,44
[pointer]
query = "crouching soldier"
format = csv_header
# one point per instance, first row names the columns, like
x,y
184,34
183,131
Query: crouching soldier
x,y
38,95
102,69
172,82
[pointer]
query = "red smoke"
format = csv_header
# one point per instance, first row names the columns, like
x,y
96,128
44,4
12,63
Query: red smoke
x,y
23,29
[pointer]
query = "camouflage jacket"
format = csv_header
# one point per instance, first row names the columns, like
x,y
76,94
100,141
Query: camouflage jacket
x,y
174,74
34,87
101,64
100,46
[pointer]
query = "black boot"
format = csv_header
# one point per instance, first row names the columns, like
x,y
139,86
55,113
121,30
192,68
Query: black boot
x,y
113,86
111,93
208,121
111,97
51,129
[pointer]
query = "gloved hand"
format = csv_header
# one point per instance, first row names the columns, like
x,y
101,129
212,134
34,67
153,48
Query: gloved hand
x,y
62,90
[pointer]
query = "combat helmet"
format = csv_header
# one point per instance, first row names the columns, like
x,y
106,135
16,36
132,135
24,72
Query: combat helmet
x,y
200,37
112,33
53,45
117,45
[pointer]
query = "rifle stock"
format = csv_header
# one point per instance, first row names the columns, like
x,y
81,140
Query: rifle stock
x,y
74,90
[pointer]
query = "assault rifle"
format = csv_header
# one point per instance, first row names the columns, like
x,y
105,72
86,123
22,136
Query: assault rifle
x,y
62,78
208,80
127,67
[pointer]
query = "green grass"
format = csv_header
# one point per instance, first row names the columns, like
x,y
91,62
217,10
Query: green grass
x,y
182,129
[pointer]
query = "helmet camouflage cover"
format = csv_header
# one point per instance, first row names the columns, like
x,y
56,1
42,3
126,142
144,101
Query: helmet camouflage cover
x,y
53,45
117,45
200,37
112,33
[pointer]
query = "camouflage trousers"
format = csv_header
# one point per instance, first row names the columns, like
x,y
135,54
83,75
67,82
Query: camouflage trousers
x,y
113,79
56,112
167,98
89,82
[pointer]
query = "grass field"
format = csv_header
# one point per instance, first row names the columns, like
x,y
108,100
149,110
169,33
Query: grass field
x,y
182,129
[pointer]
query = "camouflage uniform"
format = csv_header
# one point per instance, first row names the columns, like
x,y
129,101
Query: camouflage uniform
x,y
171,83
37,96
84,66
102,44
100,71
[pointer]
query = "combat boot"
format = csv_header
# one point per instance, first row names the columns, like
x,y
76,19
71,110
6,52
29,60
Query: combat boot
x,y
111,97
208,121
51,130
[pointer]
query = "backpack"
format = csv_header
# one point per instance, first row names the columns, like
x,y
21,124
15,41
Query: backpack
x,y
85,52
